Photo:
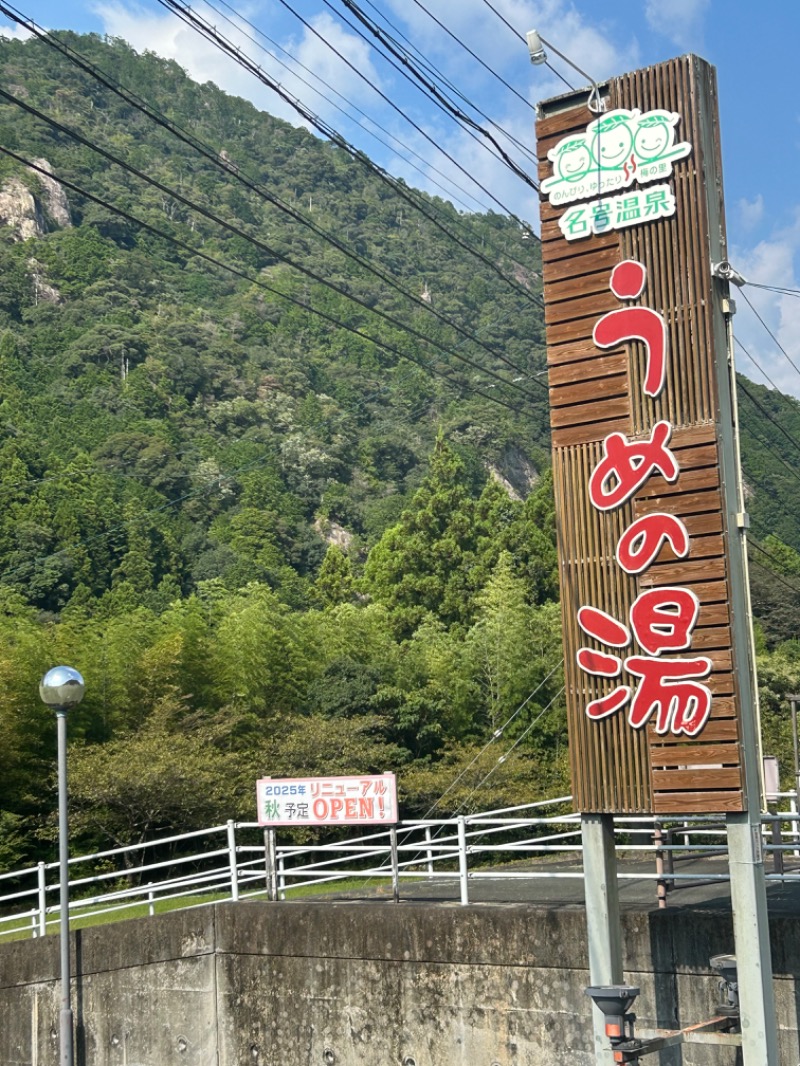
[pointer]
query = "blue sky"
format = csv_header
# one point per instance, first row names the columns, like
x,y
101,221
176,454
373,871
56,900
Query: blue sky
x,y
753,48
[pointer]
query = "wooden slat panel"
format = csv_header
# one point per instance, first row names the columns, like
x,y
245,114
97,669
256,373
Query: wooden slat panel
x,y
585,392
717,729
593,431
614,407
697,802
688,480
696,754
593,304
710,637
691,503
586,369
697,780
684,572
572,286
582,348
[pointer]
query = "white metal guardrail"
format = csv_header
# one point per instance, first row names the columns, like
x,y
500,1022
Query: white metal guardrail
x,y
240,860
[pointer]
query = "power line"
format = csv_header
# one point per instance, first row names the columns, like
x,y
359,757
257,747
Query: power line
x,y
441,78
256,242
224,45
467,49
513,747
191,18
494,737
769,331
775,574
412,74
765,443
213,157
780,289
198,253
241,19
792,440
758,367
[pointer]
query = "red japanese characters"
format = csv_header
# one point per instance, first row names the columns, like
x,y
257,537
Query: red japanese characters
x,y
662,619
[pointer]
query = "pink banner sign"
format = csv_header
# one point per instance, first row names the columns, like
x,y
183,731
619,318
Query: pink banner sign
x,y
370,800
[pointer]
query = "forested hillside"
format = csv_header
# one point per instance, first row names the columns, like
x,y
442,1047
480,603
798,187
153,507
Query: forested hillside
x,y
274,466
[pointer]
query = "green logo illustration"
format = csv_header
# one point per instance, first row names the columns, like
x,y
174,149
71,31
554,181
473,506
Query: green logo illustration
x,y
616,150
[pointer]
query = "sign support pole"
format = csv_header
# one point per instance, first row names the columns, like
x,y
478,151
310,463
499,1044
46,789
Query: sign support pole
x,y
745,848
602,917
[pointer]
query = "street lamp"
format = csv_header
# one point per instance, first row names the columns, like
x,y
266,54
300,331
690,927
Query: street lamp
x,y
62,688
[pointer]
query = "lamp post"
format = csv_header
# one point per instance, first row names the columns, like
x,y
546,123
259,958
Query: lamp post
x,y
62,688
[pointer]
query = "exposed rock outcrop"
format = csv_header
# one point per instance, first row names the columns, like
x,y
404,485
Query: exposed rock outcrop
x,y
29,214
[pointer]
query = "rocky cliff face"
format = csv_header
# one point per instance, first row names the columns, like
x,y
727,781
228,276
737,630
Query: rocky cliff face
x,y
30,214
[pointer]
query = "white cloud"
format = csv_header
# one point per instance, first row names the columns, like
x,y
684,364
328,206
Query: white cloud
x,y
679,20
170,38
472,21
15,33
750,212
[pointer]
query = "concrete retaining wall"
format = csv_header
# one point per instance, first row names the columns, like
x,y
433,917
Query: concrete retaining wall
x,y
349,984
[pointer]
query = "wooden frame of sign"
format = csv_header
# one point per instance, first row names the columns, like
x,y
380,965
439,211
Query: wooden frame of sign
x,y
654,679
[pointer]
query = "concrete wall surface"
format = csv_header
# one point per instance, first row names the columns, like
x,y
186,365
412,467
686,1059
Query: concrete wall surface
x,y
368,984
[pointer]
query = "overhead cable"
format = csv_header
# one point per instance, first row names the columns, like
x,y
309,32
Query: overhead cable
x,y
430,168
769,331
235,174
261,245
221,42
412,74
185,12
212,260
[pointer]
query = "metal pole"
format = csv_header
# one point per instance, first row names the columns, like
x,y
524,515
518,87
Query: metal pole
x,y
232,861
463,871
61,689
65,1017
602,917
271,863
429,852
42,879
395,859
745,850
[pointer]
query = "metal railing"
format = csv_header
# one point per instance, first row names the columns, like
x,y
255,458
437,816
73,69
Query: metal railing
x,y
237,860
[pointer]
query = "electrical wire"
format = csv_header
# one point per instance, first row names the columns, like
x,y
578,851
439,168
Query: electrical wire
x,y
412,74
467,49
780,289
213,35
494,738
768,416
191,18
769,331
430,167
261,245
136,101
198,253
756,364
778,576
234,174
513,747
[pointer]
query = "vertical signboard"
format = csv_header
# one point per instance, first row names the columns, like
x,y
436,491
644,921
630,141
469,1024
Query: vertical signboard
x,y
644,462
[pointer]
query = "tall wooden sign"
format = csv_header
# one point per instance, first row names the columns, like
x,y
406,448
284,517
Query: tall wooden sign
x,y
643,445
